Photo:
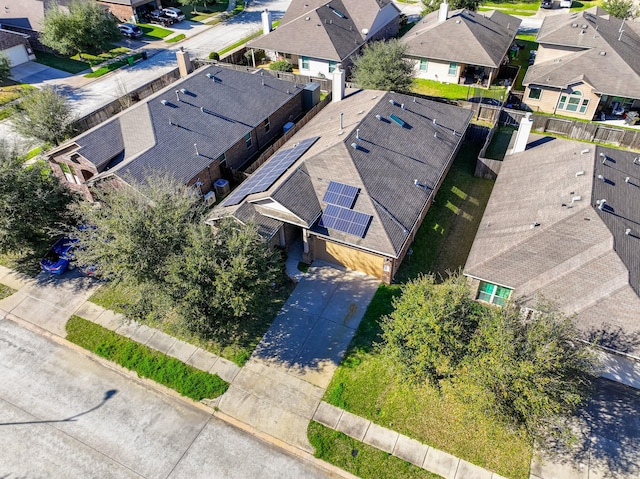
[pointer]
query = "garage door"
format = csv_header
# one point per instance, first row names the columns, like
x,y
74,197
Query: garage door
x,y
357,260
17,55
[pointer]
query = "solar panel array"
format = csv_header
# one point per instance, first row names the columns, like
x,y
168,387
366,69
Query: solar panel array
x,y
340,194
345,220
268,173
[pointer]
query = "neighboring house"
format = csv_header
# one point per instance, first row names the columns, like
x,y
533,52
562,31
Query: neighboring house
x,y
16,47
315,36
563,224
27,16
355,183
587,65
461,46
213,118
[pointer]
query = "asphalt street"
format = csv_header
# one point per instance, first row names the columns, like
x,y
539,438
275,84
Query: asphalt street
x,y
65,415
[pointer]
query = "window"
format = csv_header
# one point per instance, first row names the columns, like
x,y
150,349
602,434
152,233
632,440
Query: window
x,y
423,64
492,293
222,158
453,69
535,93
305,63
247,140
266,125
573,102
69,173
332,66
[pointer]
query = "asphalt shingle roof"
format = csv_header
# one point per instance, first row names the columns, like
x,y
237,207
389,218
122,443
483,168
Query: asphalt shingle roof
x,y
101,147
608,59
465,37
330,30
543,235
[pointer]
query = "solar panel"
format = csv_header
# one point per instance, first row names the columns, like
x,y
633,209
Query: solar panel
x,y
345,220
340,194
268,173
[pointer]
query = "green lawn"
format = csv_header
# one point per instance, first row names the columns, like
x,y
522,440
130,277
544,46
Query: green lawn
x,y
148,363
202,14
453,91
360,459
97,58
236,346
6,291
154,32
9,92
368,384
500,143
512,8
579,5
177,38
522,59
61,63
109,67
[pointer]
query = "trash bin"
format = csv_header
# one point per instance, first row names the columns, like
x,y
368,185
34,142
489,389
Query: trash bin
x,y
130,60
144,55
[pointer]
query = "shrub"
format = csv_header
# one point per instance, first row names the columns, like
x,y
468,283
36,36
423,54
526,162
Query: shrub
x,y
214,56
281,66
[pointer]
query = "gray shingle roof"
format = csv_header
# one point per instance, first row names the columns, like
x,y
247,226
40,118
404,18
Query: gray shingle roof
x,y
267,227
388,160
297,195
465,37
616,72
214,114
318,31
577,256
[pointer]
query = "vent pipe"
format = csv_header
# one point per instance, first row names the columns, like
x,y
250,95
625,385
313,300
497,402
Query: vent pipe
x,y
195,145
341,121
357,133
178,95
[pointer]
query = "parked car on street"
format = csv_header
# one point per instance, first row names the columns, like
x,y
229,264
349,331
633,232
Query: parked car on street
x,y
130,30
158,16
58,258
174,13
547,4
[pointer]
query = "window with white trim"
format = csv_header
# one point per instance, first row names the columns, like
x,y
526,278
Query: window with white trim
x,y
535,93
247,140
573,102
304,63
453,69
492,293
333,66
70,173
423,64
266,125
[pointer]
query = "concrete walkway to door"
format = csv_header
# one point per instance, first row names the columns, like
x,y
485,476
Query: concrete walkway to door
x,y
279,389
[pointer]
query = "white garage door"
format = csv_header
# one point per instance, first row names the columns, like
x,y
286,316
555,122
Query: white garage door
x,y
16,55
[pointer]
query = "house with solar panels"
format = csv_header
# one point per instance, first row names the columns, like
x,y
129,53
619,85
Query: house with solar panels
x,y
354,184
193,129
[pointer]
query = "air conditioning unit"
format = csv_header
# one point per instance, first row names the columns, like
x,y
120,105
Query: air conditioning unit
x,y
210,198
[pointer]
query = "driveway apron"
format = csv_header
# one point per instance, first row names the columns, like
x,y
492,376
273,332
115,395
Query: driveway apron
x,y
280,387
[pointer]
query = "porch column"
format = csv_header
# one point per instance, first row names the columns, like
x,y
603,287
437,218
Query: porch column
x,y
305,241
490,78
281,236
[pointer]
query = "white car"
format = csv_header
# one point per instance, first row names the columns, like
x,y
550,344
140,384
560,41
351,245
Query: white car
x,y
174,13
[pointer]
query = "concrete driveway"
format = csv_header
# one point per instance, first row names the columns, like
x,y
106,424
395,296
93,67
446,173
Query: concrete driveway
x,y
280,387
64,415
37,74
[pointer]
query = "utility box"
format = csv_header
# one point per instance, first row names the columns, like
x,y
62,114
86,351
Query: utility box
x,y
310,96
222,187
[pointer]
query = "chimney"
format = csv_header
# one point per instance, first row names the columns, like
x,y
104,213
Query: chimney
x,y
266,21
337,90
443,12
184,62
522,136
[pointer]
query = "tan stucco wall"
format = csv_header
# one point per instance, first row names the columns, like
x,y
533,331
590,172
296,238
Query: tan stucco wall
x,y
549,99
351,258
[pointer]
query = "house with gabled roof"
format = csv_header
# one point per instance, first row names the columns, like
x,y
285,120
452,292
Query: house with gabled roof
x,y
460,46
212,119
587,66
563,224
355,183
317,35
15,47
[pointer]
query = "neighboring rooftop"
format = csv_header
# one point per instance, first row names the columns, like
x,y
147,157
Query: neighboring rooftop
x,y
375,155
473,38
603,51
543,234
329,30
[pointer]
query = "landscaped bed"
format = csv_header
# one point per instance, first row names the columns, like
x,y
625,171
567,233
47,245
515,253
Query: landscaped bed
x,y
6,291
11,91
61,62
148,363
368,384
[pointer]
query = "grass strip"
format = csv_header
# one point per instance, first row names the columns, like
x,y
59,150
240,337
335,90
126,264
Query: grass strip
x,y
6,291
109,67
147,362
61,63
154,32
175,39
360,459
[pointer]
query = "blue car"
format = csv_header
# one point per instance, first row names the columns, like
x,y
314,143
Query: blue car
x,y
59,257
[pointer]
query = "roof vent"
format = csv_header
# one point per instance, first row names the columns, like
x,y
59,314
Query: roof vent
x,y
585,151
164,102
636,161
603,53
397,120
379,117
576,198
354,145
209,75
307,18
534,224
580,173
584,26
393,102
402,106
627,231
601,203
435,123
602,178
357,133
458,21
574,25
184,90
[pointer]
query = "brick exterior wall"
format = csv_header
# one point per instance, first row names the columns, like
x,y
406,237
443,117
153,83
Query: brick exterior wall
x,y
122,12
82,168
207,177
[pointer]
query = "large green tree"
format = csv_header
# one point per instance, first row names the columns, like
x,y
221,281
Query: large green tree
x,y
433,5
44,115
382,66
34,206
87,26
620,8
526,369
151,237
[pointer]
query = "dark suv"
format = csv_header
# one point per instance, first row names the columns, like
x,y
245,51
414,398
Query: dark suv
x,y
158,16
